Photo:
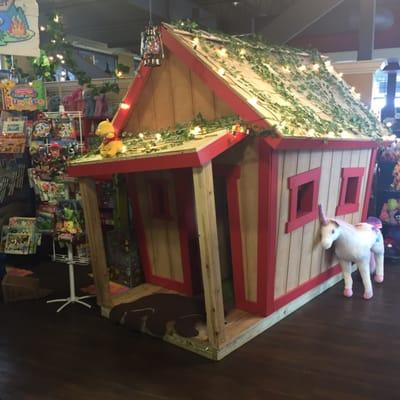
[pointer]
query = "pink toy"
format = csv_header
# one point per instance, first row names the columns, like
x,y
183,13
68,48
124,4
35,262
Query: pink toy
x,y
101,107
74,101
361,244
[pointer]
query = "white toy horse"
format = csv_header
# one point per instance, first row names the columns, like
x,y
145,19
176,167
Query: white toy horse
x,y
361,244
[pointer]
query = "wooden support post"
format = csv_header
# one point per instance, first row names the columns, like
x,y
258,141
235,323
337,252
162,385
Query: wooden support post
x,y
96,244
209,254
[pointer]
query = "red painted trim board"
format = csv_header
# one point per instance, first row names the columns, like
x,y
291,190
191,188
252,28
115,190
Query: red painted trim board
x,y
211,79
347,207
305,287
132,97
267,223
323,144
143,251
294,182
158,163
368,189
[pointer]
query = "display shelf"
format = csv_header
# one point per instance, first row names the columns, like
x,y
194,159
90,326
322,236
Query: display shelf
x,y
71,260
76,260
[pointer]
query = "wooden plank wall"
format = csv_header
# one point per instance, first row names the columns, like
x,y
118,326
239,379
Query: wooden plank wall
x,y
246,156
162,236
299,256
172,95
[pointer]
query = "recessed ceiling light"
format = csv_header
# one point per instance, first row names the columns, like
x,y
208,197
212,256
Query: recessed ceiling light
x,y
235,3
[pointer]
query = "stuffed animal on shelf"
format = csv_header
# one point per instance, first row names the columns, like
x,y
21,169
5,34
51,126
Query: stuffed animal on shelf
x,y
391,152
74,101
396,177
111,145
390,212
361,244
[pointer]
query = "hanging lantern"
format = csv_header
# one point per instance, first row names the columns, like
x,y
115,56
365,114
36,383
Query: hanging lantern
x,y
151,48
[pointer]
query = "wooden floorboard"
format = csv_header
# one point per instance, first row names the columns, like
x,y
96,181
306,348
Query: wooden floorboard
x,y
332,348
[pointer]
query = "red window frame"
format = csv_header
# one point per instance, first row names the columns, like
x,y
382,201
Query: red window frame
x,y
297,220
159,199
348,175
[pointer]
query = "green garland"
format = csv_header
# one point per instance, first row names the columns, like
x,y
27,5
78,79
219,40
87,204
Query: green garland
x,y
284,69
153,141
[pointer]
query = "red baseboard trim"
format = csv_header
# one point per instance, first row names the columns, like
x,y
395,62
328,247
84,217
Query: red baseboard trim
x,y
305,287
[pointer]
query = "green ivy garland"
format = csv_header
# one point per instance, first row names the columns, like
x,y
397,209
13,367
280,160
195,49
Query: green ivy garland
x,y
285,70
153,141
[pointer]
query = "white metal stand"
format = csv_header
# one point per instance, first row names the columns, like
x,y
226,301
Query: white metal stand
x,y
71,261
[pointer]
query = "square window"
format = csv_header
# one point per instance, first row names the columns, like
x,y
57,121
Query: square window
x,y
350,191
159,200
303,198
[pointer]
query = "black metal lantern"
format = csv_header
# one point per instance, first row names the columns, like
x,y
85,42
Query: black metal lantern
x,y
151,47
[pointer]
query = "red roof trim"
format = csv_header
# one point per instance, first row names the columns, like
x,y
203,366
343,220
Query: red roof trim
x,y
212,80
131,98
158,162
325,144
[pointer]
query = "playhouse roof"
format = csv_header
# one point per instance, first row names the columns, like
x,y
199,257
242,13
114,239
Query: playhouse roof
x,y
288,93
296,92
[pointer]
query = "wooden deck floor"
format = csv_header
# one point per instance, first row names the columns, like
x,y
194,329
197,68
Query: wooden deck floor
x,y
333,348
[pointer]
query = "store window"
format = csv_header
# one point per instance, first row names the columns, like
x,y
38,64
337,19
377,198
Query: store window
x,y
350,190
303,198
379,93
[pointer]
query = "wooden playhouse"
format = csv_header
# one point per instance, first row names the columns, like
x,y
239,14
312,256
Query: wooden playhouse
x,y
220,203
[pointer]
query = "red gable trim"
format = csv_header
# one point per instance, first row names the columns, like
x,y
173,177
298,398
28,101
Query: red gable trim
x,y
131,98
369,184
212,80
158,162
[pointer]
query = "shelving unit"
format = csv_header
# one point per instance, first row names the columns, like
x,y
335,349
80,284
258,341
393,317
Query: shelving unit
x,y
384,192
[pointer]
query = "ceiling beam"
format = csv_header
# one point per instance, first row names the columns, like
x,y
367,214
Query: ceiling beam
x,y
169,10
366,39
296,19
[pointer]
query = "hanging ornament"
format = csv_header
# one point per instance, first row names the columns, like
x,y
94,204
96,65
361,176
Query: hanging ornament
x,y
151,47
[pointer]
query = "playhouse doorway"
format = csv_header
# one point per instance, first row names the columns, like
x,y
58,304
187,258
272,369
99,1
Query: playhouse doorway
x,y
224,240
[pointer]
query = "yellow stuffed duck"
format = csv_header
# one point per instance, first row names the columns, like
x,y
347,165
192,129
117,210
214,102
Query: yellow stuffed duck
x,y
111,145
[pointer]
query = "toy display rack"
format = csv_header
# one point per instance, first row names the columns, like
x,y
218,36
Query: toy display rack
x,y
71,261
73,115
